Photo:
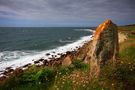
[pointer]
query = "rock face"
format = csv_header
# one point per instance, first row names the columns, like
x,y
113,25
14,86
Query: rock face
x,y
104,47
105,42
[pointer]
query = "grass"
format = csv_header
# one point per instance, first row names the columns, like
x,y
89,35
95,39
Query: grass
x,y
72,77
34,78
78,64
47,77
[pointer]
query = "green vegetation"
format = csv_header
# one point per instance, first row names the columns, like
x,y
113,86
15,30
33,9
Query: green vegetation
x,y
33,78
79,65
121,74
46,77
114,76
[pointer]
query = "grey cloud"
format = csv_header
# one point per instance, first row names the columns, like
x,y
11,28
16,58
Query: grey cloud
x,y
84,10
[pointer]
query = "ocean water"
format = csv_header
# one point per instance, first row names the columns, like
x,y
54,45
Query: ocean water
x,y
19,45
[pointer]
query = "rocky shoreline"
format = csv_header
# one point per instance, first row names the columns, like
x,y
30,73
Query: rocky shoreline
x,y
64,58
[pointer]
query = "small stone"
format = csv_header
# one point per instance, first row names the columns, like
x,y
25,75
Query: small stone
x,y
47,54
26,65
41,59
36,62
8,68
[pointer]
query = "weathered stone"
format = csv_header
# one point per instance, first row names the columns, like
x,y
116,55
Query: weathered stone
x,y
67,61
104,47
105,42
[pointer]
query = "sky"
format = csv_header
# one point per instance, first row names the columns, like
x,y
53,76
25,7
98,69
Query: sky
x,y
46,13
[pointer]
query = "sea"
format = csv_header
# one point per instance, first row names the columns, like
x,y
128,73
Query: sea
x,y
22,45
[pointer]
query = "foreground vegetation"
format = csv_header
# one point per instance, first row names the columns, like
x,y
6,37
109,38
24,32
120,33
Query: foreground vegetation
x,y
51,78
116,76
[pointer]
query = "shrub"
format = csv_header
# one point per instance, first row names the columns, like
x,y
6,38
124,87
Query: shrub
x,y
45,74
42,75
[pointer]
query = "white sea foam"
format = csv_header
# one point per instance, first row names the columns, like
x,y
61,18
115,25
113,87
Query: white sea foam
x,y
65,41
88,30
31,56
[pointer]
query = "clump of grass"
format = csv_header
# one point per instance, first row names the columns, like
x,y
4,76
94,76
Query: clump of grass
x,y
42,75
45,74
79,64
63,70
76,64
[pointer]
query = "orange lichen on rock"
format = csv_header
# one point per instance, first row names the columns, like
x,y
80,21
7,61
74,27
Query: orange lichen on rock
x,y
105,42
101,28
104,48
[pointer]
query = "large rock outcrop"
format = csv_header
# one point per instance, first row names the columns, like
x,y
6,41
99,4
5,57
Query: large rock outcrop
x,y
104,47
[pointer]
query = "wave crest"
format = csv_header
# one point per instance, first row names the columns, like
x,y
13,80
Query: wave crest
x,y
12,55
87,30
65,41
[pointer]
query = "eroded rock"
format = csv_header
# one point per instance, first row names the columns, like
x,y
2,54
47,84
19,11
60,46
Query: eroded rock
x,y
106,42
104,47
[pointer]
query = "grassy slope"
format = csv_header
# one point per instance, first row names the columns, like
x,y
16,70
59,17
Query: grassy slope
x,y
117,76
121,75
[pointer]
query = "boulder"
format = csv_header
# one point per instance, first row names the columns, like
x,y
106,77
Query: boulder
x,y
122,37
67,61
105,42
104,46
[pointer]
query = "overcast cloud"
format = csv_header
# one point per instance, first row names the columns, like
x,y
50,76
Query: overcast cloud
x,y
66,12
